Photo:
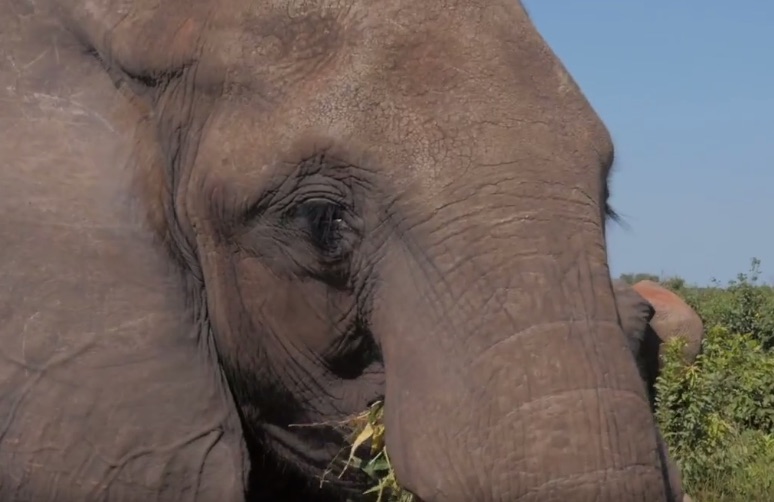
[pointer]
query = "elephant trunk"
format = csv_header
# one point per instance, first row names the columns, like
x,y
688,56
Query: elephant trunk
x,y
508,378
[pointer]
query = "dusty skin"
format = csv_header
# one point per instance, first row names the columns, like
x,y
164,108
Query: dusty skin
x,y
222,218
650,316
672,318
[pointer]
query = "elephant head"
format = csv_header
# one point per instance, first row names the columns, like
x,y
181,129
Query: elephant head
x,y
636,315
650,315
672,318
224,219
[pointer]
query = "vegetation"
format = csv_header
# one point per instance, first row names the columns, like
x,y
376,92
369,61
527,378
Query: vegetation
x,y
368,426
717,414
367,453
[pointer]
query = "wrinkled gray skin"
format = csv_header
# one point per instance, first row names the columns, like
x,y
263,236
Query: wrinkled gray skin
x,y
219,219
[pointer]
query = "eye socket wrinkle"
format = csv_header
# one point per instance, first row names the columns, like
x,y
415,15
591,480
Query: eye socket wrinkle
x,y
295,188
310,218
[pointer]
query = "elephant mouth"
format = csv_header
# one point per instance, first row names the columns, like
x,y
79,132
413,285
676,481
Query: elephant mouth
x,y
320,453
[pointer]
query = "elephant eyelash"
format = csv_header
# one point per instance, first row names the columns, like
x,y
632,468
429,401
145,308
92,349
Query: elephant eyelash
x,y
611,213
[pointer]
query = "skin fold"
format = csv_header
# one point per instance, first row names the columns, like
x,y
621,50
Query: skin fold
x,y
224,219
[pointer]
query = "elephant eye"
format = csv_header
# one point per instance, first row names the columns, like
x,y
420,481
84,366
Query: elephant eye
x,y
324,223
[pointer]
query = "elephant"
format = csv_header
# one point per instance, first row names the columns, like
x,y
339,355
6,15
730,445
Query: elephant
x,y
673,318
228,224
650,315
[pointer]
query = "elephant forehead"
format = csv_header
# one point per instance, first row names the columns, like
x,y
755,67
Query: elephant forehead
x,y
437,92
240,40
141,35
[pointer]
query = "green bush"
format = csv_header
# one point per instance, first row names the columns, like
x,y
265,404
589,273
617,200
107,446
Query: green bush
x,y
751,478
744,306
717,414
704,407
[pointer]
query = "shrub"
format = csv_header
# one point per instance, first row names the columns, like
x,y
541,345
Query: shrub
x,y
744,306
704,407
751,480
717,414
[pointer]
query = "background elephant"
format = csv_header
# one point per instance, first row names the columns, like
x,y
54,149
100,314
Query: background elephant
x,y
672,318
650,315
224,218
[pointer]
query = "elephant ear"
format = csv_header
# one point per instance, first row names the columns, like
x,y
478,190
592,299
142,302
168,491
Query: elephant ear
x,y
110,388
634,312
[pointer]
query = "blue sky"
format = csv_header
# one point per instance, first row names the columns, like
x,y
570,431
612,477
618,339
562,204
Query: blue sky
x,y
687,92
